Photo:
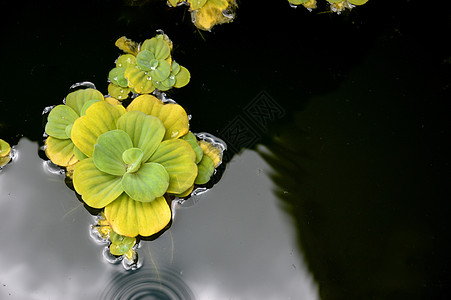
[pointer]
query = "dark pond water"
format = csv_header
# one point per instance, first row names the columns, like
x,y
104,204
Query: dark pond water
x,y
336,180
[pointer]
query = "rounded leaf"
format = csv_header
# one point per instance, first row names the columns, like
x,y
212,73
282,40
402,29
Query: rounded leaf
x,y
77,99
125,61
160,71
178,158
120,244
60,151
146,132
132,158
150,182
116,76
100,117
158,46
139,80
118,92
358,2
192,141
206,169
108,152
5,148
97,188
59,118
132,218
145,60
173,116
182,78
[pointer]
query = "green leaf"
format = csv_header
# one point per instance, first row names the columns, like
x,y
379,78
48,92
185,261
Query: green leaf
x,y
182,78
178,158
158,47
116,75
118,92
139,80
175,67
100,117
145,131
132,218
206,169
196,4
146,60
160,71
59,118
86,106
60,151
150,182
97,188
192,141
173,116
77,99
125,61
78,154
358,2
120,244
108,151
132,158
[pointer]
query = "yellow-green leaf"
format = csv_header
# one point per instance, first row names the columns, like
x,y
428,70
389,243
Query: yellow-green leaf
x,y
358,2
178,158
60,151
100,118
59,118
206,169
172,115
182,78
108,152
139,80
77,99
149,182
97,188
132,218
145,131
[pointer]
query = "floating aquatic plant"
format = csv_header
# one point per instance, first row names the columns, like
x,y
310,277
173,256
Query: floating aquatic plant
x,y
335,5
5,153
207,13
145,67
131,161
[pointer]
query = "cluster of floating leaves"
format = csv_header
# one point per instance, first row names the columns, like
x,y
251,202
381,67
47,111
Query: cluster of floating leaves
x,y
207,13
130,161
145,67
335,5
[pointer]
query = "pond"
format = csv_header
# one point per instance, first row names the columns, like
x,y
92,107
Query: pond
x,y
335,180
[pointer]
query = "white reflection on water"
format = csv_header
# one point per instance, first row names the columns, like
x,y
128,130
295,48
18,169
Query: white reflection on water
x,y
234,243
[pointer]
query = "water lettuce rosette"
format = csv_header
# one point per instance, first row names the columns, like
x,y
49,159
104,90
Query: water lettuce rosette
x,y
134,158
145,67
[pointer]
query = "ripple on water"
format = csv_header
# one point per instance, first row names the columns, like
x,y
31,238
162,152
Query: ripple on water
x,y
159,284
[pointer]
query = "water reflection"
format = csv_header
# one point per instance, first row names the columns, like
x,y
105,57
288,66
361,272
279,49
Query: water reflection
x,y
235,242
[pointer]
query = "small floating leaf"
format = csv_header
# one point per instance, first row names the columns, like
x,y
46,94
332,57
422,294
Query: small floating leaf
x,y
146,60
132,218
120,244
5,150
118,92
206,169
116,75
160,71
358,2
192,140
149,182
125,61
182,78
127,45
158,46
139,80
132,158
